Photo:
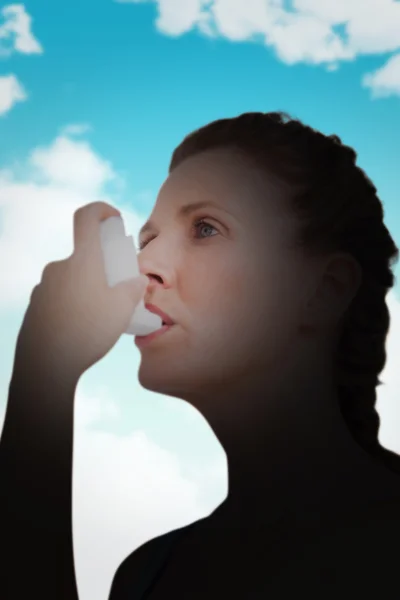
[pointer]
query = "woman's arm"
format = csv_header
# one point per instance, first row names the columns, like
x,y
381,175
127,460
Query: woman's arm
x,y
36,452
73,319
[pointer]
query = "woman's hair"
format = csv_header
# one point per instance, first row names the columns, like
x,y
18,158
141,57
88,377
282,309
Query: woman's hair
x,y
339,210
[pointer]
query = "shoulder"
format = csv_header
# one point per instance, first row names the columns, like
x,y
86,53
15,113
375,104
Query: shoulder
x,y
138,569
131,569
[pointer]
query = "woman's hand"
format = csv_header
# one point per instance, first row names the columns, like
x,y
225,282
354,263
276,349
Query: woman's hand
x,y
74,317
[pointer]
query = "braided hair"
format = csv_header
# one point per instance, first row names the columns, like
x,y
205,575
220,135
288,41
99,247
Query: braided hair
x,y
338,210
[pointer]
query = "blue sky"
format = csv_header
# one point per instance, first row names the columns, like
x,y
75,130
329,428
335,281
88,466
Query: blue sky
x,y
94,97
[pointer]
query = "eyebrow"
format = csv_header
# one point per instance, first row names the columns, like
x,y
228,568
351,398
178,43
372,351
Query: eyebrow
x,y
183,211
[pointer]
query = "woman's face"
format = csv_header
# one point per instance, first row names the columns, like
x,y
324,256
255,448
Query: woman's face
x,y
221,265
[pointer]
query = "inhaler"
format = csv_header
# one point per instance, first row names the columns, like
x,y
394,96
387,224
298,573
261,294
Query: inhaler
x,y
120,263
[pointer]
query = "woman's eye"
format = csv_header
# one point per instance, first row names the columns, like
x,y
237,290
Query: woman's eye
x,y
203,224
198,225
144,243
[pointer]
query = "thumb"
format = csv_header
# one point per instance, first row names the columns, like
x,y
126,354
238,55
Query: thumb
x,y
134,288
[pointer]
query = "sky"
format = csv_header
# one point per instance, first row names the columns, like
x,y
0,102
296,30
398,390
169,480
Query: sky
x,y
94,97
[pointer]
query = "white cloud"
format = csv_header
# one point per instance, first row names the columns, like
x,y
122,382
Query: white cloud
x,y
11,92
76,129
388,403
37,202
16,30
15,36
177,17
301,37
127,490
72,164
310,31
386,80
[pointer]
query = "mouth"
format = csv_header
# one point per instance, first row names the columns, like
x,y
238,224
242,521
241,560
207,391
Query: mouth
x,y
143,340
167,324
166,319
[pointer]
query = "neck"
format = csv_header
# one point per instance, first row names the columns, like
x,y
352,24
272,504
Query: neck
x,y
288,447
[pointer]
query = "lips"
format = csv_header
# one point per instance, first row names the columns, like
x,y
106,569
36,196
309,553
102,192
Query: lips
x,y
166,319
167,324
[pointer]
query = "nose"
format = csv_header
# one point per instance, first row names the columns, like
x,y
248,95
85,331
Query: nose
x,y
155,280
156,270
156,283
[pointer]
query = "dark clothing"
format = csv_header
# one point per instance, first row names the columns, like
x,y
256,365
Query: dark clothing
x,y
137,587
359,558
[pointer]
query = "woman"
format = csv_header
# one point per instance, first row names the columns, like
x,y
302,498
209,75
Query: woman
x,y
267,252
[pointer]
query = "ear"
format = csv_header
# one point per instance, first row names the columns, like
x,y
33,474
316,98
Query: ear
x,y
338,281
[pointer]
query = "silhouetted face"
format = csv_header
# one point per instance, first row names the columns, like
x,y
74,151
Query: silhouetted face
x,y
225,272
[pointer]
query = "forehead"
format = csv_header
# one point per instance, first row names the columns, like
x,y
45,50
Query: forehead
x,y
226,178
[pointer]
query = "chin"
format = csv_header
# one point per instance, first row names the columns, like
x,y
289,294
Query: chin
x,y
179,378
159,379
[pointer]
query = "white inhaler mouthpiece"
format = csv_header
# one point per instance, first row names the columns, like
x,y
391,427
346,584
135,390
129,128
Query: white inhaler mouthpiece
x,y
120,263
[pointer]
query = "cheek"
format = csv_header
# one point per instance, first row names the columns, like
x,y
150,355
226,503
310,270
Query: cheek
x,y
250,294
215,286
221,298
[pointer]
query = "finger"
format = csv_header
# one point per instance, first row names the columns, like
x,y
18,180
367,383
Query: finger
x,y
87,221
52,268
